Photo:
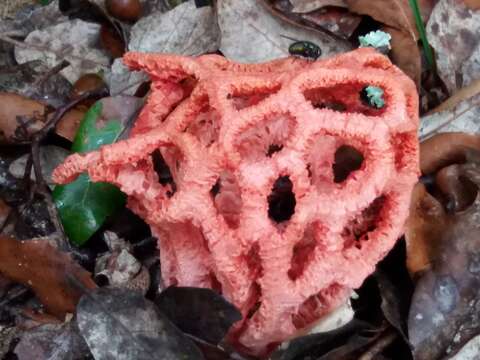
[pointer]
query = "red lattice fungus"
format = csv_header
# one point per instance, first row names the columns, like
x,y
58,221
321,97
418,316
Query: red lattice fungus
x,y
280,187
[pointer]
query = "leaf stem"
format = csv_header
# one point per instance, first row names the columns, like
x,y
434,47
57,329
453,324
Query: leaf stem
x,y
423,35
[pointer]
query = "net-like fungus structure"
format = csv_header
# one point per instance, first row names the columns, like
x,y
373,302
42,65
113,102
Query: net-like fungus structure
x,y
275,184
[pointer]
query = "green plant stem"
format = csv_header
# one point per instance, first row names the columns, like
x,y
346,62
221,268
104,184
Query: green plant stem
x,y
423,35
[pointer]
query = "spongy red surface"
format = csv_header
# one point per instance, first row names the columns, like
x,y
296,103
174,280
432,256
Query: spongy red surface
x,y
215,123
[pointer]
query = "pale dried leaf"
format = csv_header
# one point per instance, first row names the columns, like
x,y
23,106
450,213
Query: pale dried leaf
x,y
453,32
185,30
465,117
75,41
52,342
251,34
122,81
304,6
123,325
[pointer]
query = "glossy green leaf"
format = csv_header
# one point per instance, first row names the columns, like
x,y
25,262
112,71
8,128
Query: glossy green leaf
x,y
84,205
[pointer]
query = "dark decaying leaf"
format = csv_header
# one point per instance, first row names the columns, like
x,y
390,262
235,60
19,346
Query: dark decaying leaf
x,y
445,311
11,189
336,20
83,205
333,20
123,325
391,304
38,265
82,9
202,313
329,345
32,220
395,289
111,34
30,80
52,342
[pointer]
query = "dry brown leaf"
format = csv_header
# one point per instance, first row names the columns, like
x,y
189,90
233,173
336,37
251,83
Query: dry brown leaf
x,y
425,223
398,20
68,125
393,13
20,118
464,93
47,271
405,53
472,4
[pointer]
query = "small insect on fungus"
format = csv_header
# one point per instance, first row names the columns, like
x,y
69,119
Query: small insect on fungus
x,y
304,49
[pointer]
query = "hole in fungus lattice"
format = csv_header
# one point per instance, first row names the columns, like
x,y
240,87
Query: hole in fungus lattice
x,y
347,160
281,201
163,171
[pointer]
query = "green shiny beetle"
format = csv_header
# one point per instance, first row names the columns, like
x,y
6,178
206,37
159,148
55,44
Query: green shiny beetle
x,y
304,48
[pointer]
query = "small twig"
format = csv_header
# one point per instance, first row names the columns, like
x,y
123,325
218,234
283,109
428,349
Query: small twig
x,y
56,69
385,340
24,45
13,294
42,187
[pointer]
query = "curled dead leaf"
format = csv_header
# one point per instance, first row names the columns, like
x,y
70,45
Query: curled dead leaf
x,y
47,271
445,149
442,160
20,118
